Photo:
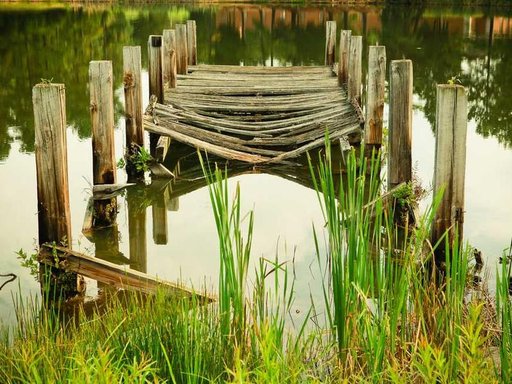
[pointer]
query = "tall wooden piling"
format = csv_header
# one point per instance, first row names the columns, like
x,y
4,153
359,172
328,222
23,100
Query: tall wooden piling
x,y
133,108
375,96
137,229
450,164
400,123
355,69
102,126
330,42
156,85
169,57
343,56
191,42
54,218
182,50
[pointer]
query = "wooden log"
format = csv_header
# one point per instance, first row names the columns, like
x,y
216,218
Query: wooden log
x,y
54,218
375,96
102,126
169,57
344,56
156,86
133,108
450,164
330,42
112,274
355,69
191,42
181,51
400,123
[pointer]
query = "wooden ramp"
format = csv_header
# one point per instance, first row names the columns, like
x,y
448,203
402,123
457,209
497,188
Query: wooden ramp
x,y
255,114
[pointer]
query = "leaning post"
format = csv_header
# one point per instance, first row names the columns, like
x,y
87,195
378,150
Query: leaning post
x,y
53,212
133,109
375,97
102,126
343,56
191,42
330,42
450,165
355,69
156,86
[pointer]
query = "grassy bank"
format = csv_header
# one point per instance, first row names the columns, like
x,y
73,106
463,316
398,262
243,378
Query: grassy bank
x,y
386,319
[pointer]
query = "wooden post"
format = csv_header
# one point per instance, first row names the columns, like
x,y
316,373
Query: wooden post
x,y
156,86
191,42
343,56
181,51
375,96
355,69
133,108
400,123
160,192
450,163
330,42
102,126
54,218
137,229
169,57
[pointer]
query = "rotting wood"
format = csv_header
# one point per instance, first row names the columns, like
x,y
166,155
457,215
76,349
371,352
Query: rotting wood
x,y
107,191
181,50
191,42
375,96
355,69
112,274
450,165
400,123
133,108
344,56
330,42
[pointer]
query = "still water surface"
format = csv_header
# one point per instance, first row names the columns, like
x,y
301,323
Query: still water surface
x,y
474,48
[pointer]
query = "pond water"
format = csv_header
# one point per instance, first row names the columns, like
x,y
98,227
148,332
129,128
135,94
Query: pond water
x,y
58,41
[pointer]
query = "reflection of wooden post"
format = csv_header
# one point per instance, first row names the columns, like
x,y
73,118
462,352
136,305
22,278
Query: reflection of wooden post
x,y
450,163
191,42
355,69
330,42
343,56
400,123
375,96
133,108
169,57
156,86
54,218
137,231
159,211
181,51
102,124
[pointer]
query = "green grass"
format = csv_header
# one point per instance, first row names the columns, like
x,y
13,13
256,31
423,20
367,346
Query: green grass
x,y
388,318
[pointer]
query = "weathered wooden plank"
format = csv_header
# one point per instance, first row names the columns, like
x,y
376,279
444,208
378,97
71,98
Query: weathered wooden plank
x,y
344,56
330,42
54,218
375,96
450,165
158,170
133,107
191,42
112,274
355,69
107,191
155,72
181,51
400,123
162,147
169,57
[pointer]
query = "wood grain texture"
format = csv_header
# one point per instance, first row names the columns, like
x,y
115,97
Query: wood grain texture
x,y
191,42
169,57
344,56
375,95
450,163
330,42
182,49
355,69
400,123
54,218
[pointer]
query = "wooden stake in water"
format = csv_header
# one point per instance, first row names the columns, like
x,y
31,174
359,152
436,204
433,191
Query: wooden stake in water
x,y
450,165
156,85
191,42
375,96
102,126
355,69
133,108
330,42
182,50
400,123
343,56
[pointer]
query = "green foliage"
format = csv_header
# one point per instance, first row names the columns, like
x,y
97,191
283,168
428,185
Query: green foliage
x,y
29,261
139,157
